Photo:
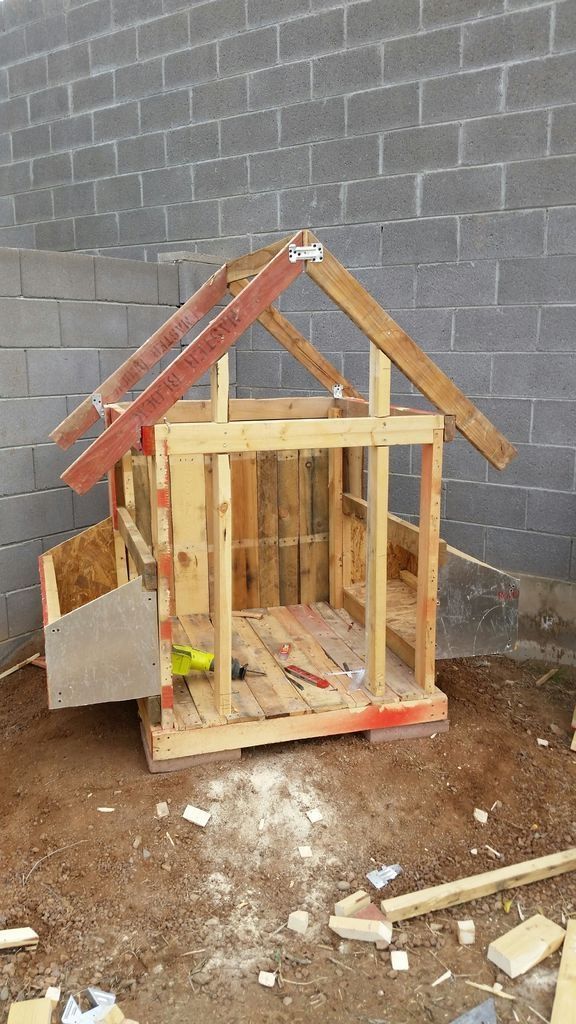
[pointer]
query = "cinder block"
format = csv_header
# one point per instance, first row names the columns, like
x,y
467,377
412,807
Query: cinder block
x,y
93,325
119,193
444,12
24,610
313,206
404,495
431,328
163,35
534,376
553,422
547,279
199,142
248,51
420,241
28,76
27,420
94,162
16,474
61,371
15,178
49,104
124,12
117,122
270,12
565,28
68,64
191,66
281,86
27,516
210,21
312,35
220,99
485,504
509,329
6,210
249,133
417,731
215,178
309,122
460,462
548,182
344,159
168,285
457,284
10,272
71,132
113,51
141,153
349,71
19,564
328,331
74,200
33,206
459,96
504,137
24,236
96,91
94,232
417,149
461,191
52,170
3,618
470,371
263,341
57,276
34,321
509,38
14,113
489,235
32,141
165,111
296,378
143,321
376,109
246,214
55,235
147,225
91,507
50,461
264,367
373,21
169,185
193,220
393,287
551,512
421,56
511,415
563,133
464,536
12,46
125,281
557,329
519,551
541,83
89,20
393,198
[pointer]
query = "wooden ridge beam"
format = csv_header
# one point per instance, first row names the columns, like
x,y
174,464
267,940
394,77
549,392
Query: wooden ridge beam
x,y
144,359
349,295
307,355
253,262
137,549
209,346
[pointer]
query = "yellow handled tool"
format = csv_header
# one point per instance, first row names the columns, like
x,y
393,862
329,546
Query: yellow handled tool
x,y
189,659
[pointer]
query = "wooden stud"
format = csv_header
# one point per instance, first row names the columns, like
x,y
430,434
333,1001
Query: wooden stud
x,y
335,520
211,344
49,588
381,329
222,540
138,550
564,1008
162,516
189,521
220,389
452,894
427,584
145,358
376,538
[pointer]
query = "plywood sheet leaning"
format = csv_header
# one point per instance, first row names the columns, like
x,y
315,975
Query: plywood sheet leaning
x,y
85,566
526,945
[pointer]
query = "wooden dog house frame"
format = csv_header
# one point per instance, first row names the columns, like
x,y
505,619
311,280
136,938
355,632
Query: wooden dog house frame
x,y
236,504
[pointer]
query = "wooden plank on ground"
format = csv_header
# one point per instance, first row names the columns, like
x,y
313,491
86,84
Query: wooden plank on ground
x,y
275,695
384,332
138,550
526,945
18,938
30,1011
267,470
288,527
451,894
564,1008
189,533
209,346
143,359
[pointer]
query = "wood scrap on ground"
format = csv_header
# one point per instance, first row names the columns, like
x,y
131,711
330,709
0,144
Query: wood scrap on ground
x,y
564,1008
21,664
30,1011
364,931
526,945
18,938
547,675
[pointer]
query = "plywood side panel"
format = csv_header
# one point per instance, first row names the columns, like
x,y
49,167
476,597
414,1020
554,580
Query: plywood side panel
x,y
85,566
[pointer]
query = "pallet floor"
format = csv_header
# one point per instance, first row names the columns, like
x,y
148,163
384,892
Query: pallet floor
x,y
267,709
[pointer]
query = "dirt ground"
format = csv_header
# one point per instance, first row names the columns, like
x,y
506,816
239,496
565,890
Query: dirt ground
x,y
178,920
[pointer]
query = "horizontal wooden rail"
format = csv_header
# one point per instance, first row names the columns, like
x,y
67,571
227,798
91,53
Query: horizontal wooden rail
x,y
138,549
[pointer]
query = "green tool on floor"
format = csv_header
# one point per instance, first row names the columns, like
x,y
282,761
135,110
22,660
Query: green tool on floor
x,y
189,659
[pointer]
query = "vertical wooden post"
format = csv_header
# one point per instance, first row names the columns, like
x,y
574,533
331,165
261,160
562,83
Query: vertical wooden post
x,y
428,540
377,529
335,520
222,540
162,517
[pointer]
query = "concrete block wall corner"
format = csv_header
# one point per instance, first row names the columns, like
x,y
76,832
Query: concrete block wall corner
x,y
431,145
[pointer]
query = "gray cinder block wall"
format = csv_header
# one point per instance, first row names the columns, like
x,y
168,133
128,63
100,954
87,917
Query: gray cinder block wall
x,y
431,144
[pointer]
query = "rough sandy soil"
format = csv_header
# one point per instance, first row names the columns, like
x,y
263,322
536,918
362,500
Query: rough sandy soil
x,y
177,920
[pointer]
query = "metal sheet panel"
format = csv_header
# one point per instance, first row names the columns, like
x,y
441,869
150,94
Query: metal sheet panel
x,y
477,608
106,650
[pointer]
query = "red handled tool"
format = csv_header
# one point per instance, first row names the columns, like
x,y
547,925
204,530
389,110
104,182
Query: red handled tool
x,y
308,677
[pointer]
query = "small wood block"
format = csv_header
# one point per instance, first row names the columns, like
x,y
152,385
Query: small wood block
x,y
31,1011
113,1015
53,993
526,945
350,905
480,815
162,809
417,731
305,851
399,960
466,932
196,815
298,921
267,978
363,931
18,938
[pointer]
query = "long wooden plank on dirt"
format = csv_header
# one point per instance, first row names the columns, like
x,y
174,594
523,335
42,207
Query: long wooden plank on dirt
x,y
209,346
340,285
451,894
145,358
564,1008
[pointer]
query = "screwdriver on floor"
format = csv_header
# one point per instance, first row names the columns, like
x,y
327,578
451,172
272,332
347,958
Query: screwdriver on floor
x,y
187,659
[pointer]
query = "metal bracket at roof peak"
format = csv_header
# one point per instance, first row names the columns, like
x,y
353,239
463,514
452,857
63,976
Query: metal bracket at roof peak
x,y
98,404
313,252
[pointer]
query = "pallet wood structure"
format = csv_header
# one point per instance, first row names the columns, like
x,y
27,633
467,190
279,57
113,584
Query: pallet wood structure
x,y
230,504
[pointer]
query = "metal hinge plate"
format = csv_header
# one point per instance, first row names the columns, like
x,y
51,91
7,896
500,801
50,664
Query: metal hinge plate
x,y
98,404
314,252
